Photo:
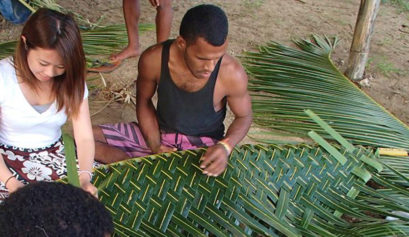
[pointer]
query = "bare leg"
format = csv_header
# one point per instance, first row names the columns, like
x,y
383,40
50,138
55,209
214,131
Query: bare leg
x,y
163,20
105,153
132,12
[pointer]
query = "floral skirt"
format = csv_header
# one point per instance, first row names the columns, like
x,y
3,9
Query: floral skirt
x,y
31,165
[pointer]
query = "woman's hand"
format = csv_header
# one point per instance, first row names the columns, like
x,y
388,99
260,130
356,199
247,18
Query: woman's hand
x,y
13,184
86,185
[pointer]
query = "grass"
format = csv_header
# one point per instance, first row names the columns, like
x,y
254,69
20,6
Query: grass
x,y
386,68
403,5
387,41
251,4
383,65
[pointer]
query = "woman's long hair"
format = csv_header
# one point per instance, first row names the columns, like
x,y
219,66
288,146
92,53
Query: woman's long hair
x,y
49,29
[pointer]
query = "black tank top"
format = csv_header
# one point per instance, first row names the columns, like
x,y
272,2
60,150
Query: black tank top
x,y
190,113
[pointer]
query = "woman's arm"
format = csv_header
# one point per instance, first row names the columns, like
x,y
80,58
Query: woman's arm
x,y
6,176
84,141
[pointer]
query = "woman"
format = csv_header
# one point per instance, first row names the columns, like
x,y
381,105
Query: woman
x,y
42,85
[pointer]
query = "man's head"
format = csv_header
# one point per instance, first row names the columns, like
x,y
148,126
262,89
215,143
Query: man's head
x,y
203,39
206,21
53,209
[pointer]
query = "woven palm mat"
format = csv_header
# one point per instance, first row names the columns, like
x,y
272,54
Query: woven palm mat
x,y
265,191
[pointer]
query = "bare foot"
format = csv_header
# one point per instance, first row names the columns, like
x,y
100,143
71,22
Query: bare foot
x,y
127,52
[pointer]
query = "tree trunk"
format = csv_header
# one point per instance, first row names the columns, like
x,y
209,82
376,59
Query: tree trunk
x,y
358,54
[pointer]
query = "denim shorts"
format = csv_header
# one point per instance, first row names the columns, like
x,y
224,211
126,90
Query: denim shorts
x,y
14,11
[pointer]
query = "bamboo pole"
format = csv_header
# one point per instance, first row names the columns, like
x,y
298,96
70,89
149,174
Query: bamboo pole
x,y
358,54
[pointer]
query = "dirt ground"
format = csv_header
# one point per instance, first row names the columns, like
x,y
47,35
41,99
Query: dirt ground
x,y
254,22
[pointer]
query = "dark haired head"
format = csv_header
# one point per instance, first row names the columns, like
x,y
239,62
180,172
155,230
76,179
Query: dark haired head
x,y
206,21
49,29
53,209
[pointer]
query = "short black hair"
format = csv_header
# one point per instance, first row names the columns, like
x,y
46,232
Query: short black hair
x,y
53,209
206,21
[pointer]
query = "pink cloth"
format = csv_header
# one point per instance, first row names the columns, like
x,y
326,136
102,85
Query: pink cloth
x,y
128,137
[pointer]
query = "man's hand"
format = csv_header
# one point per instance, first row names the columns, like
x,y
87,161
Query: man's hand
x,y
215,160
162,148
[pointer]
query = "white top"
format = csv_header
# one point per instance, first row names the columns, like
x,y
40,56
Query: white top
x,y
20,124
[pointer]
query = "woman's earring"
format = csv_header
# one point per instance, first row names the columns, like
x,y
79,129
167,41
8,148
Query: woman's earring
x,y
25,47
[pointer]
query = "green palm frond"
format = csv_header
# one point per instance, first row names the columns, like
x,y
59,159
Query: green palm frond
x,y
7,48
97,41
396,164
285,81
272,190
102,40
52,4
70,160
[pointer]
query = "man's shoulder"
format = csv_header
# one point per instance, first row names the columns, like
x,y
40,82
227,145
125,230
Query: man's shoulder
x,y
150,60
230,63
231,70
153,51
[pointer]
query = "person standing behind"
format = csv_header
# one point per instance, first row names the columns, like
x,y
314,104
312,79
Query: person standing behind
x,y
42,85
131,9
195,79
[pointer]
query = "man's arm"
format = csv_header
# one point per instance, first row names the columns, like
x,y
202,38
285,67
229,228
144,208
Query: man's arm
x,y
239,101
149,67
146,84
241,108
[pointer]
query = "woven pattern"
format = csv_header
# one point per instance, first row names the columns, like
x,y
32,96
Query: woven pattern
x,y
295,190
271,190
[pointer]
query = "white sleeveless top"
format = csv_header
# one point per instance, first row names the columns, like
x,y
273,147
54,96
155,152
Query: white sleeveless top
x,y
20,124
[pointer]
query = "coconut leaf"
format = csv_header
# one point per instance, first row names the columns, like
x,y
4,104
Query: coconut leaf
x,y
97,41
303,190
69,150
7,48
52,4
286,81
